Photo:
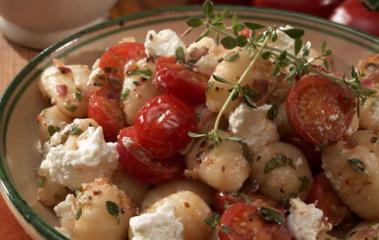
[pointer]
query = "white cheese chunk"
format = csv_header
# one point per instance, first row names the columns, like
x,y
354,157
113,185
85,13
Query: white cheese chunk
x,y
283,42
253,126
163,43
91,158
159,225
66,212
305,220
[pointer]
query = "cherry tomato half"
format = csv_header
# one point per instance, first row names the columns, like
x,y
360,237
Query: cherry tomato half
x,y
181,81
114,59
162,125
319,109
243,221
105,109
325,198
356,15
139,163
315,7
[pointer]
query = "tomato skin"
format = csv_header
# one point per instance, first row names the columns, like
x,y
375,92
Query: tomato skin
x,y
326,199
320,110
139,163
104,108
162,125
315,7
180,81
118,55
354,14
245,223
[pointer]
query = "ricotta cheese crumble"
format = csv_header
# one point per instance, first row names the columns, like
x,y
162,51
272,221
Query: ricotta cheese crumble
x,y
163,43
159,225
305,220
91,158
253,126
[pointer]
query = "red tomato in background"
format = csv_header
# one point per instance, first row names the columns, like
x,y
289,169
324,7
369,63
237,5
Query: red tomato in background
x,y
139,163
244,221
114,58
325,198
356,15
162,125
320,8
181,81
105,109
320,110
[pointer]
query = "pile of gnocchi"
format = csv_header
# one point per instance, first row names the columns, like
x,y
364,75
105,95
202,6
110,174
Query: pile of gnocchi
x,y
122,157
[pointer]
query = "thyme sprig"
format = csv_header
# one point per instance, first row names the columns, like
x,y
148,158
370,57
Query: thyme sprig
x,y
296,62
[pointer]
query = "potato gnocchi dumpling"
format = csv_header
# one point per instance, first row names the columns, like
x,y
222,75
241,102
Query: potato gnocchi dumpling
x,y
366,230
281,171
352,169
190,210
50,121
225,166
50,193
231,71
166,189
65,86
99,211
369,114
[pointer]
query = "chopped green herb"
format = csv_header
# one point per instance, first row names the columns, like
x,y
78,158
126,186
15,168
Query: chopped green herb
x,y
293,33
51,129
229,42
356,164
75,130
225,229
124,94
298,45
272,112
304,183
194,22
144,73
233,57
113,209
271,215
41,180
253,26
78,95
78,213
213,222
219,79
278,161
70,107
208,8
245,151
180,55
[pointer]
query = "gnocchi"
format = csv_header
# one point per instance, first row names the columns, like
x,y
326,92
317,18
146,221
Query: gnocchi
x,y
281,171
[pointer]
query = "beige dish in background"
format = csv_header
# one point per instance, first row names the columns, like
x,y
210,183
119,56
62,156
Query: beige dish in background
x,y
22,102
39,23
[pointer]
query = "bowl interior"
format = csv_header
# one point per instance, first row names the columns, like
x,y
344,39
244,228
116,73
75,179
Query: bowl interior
x,y
22,101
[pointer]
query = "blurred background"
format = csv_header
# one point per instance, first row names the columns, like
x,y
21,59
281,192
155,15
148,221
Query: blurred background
x,y
359,14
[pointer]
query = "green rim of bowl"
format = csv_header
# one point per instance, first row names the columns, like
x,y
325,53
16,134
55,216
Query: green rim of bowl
x,y
21,206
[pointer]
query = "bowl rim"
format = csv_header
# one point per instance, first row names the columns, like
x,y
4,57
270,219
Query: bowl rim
x,y
22,208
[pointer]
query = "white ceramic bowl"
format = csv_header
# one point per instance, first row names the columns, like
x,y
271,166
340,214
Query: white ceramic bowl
x,y
22,102
39,23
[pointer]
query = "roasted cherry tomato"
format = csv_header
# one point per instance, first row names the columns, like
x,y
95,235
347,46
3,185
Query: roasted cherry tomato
x,y
325,198
162,125
245,221
310,151
104,108
181,81
114,59
355,14
315,7
139,163
319,109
